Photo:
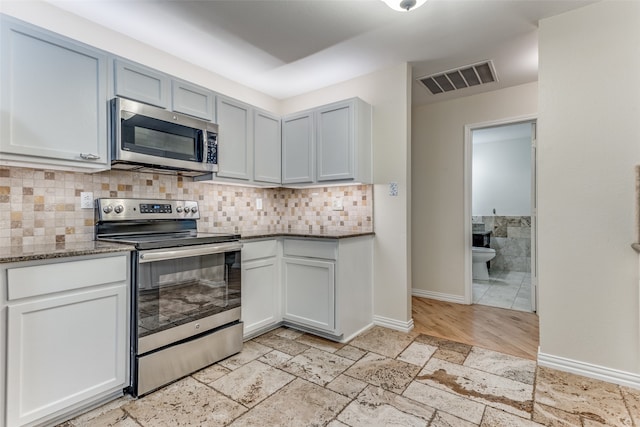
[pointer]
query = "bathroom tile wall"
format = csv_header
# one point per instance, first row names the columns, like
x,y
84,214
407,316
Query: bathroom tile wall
x,y
511,238
43,206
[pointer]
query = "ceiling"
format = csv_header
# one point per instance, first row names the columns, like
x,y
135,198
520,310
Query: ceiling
x,y
288,47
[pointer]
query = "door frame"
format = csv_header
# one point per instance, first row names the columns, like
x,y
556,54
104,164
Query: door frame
x,y
467,182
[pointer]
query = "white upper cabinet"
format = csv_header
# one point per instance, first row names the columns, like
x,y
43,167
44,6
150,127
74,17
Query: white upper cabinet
x,y
235,148
193,100
267,144
53,99
343,141
144,84
331,144
298,159
140,83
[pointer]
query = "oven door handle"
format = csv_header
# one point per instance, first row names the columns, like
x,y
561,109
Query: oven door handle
x,y
190,251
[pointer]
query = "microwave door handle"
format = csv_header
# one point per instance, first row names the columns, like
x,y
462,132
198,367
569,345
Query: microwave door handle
x,y
188,252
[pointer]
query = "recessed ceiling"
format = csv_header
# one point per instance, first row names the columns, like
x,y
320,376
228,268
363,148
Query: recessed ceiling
x,y
286,48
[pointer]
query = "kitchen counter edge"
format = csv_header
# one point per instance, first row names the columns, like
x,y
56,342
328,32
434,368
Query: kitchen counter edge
x,y
301,234
59,250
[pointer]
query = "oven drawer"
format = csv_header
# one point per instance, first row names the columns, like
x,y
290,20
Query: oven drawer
x,y
167,365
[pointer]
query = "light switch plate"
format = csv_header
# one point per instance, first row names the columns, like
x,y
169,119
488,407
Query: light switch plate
x,y
86,200
259,204
393,189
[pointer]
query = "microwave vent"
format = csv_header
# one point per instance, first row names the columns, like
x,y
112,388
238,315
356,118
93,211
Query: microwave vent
x,y
460,78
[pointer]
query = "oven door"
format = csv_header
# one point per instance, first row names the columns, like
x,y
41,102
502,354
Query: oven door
x,y
186,291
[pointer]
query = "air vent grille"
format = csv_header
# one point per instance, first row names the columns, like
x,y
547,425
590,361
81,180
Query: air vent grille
x,y
460,78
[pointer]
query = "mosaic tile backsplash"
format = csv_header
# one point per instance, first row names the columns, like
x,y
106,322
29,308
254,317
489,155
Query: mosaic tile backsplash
x,y
43,206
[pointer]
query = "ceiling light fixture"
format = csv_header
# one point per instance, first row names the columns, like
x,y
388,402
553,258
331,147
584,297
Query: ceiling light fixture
x,y
404,5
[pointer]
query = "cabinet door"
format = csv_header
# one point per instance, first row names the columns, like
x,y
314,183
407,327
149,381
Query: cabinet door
x,y
63,350
53,98
298,155
234,148
142,84
193,100
260,294
335,141
267,148
309,292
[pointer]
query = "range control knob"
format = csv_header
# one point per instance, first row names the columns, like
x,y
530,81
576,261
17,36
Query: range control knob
x,y
187,209
194,209
107,209
118,209
179,209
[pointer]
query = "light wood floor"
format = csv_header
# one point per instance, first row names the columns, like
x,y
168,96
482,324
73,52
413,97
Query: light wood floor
x,y
506,331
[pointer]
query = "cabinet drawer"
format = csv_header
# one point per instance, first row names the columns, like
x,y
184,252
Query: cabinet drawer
x,y
259,249
310,248
44,279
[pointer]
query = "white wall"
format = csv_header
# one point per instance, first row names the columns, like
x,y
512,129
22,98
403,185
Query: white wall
x,y
388,92
588,145
437,205
51,18
502,178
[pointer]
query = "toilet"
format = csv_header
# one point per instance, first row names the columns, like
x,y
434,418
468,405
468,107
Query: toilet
x,y
479,258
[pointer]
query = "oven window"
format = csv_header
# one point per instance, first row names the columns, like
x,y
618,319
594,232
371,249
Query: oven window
x,y
177,291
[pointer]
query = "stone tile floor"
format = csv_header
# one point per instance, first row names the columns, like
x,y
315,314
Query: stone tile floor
x,y
504,289
381,378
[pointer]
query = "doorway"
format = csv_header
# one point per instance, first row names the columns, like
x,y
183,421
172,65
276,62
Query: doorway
x,y
501,214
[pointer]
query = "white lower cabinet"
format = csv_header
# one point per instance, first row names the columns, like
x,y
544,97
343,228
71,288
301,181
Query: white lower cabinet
x,y
309,292
261,307
67,336
328,285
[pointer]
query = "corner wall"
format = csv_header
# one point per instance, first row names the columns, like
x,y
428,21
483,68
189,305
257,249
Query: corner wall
x,y
439,241
388,91
588,145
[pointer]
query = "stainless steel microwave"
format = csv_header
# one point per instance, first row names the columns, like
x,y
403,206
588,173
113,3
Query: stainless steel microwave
x,y
150,139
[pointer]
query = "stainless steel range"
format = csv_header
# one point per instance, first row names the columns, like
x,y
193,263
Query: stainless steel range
x,y
186,288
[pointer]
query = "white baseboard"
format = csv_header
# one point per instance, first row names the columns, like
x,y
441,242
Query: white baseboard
x,y
437,296
589,370
398,325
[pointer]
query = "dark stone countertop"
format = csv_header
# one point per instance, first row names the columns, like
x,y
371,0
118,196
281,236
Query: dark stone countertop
x,y
58,250
264,234
61,250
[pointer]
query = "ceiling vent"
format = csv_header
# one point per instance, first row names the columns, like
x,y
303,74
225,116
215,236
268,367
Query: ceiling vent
x,y
460,78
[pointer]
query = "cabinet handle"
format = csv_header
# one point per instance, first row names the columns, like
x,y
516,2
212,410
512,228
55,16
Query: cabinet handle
x,y
89,156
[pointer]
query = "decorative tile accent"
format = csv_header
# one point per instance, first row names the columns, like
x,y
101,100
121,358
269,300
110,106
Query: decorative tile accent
x,y
511,238
492,390
317,366
589,398
383,341
378,407
43,207
390,374
252,383
318,407
185,399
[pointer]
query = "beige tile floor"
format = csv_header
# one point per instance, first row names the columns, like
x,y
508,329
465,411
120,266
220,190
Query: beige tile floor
x,y
381,378
504,289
